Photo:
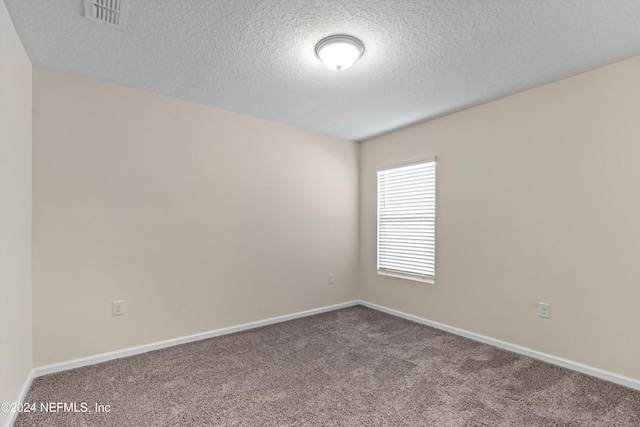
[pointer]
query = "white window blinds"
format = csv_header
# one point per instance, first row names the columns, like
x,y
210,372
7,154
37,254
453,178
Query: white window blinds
x,y
407,221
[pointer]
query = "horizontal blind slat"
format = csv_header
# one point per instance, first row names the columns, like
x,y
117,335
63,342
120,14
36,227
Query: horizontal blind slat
x,y
399,173
407,234
407,262
423,254
421,179
392,246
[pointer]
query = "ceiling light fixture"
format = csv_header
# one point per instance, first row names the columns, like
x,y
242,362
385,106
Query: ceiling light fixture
x,y
339,52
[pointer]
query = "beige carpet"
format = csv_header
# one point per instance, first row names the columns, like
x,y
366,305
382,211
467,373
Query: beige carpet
x,y
351,367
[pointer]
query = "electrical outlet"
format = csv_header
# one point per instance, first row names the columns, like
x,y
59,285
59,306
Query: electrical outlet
x,y
331,278
544,310
117,308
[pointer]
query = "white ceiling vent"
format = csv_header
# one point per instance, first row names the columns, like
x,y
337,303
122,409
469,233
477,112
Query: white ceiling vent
x,y
111,12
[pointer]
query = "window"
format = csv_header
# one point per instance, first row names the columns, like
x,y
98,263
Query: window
x,y
407,221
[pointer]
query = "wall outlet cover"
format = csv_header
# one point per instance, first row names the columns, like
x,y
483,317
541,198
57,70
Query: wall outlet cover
x,y
544,310
117,308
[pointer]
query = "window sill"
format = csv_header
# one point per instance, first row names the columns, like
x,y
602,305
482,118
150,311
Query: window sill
x,y
430,280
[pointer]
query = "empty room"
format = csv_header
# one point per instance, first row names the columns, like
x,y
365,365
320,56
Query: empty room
x,y
319,213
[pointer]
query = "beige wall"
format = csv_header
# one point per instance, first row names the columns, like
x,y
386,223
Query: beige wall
x,y
538,200
15,213
197,218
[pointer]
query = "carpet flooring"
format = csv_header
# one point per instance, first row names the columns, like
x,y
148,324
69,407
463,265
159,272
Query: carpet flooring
x,y
349,367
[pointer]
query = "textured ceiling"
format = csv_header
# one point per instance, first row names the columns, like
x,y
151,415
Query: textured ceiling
x,y
423,58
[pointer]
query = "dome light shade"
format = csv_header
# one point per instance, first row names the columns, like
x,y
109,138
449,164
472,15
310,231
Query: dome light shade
x,y
339,52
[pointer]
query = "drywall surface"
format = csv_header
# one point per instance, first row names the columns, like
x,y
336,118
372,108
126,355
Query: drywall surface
x,y
538,200
197,218
15,214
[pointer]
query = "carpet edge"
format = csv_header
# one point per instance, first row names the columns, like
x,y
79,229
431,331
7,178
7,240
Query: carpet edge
x,y
629,382
144,348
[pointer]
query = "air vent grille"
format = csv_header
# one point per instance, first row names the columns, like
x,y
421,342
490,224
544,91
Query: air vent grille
x,y
110,12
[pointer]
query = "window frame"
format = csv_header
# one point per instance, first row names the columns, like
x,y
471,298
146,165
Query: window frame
x,y
399,273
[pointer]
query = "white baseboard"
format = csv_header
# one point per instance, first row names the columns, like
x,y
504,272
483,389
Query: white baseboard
x,y
565,363
21,396
98,358
569,364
